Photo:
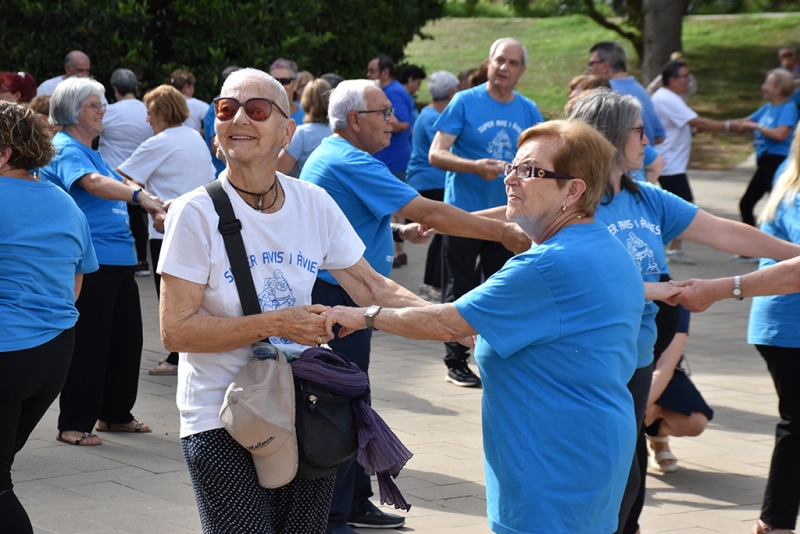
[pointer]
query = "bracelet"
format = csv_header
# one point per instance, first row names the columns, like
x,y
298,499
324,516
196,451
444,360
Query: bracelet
x,y
136,195
396,233
727,126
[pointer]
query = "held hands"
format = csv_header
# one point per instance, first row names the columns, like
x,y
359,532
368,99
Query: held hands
x,y
351,319
749,126
663,291
415,233
306,325
159,218
151,203
514,239
488,169
697,295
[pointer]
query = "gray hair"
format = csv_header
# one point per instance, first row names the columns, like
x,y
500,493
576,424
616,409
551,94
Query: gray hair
x,y
440,83
348,96
613,53
124,80
69,96
282,63
611,114
275,87
504,40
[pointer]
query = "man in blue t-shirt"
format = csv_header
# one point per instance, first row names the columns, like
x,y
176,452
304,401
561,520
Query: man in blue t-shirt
x,y
476,135
608,60
368,194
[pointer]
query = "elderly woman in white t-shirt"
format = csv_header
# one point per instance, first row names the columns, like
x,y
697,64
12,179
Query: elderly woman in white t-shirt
x,y
291,229
172,162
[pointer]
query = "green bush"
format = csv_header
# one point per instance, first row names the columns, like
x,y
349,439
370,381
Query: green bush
x,y
153,37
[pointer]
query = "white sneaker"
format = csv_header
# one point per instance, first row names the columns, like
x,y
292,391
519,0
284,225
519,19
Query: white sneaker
x,y
744,259
678,256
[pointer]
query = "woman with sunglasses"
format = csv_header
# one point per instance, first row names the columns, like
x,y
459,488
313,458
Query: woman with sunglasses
x,y
103,378
645,218
290,229
285,71
556,344
170,163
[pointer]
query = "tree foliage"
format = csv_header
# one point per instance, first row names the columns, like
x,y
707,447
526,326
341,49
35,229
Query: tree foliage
x,y
153,37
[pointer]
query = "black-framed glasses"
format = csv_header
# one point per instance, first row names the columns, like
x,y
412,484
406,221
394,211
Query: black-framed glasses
x,y
285,81
388,112
593,63
258,109
639,129
525,171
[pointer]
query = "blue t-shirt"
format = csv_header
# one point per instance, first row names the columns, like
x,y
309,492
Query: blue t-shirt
x,y
485,128
45,240
108,219
396,155
209,131
645,225
366,192
773,320
421,175
771,117
298,115
306,139
781,168
650,155
653,128
796,96
557,332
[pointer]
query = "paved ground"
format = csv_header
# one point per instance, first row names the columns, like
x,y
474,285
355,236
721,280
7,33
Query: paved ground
x,y
138,483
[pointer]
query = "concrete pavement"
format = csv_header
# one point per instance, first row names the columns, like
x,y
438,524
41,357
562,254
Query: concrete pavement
x,y
139,484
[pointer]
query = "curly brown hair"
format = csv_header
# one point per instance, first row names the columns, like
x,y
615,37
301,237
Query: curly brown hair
x,y
26,134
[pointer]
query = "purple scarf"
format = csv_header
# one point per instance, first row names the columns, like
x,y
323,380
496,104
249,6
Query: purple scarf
x,y
379,449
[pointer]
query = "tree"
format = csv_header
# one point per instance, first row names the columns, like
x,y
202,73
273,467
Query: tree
x,y
154,37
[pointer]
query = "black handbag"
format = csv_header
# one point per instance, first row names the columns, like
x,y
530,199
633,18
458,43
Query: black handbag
x,y
324,422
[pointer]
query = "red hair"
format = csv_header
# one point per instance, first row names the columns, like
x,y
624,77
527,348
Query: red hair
x,y
19,82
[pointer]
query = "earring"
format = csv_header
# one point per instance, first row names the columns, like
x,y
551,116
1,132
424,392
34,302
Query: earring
x,y
563,208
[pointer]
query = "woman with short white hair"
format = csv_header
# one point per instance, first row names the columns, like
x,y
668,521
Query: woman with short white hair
x,y
103,378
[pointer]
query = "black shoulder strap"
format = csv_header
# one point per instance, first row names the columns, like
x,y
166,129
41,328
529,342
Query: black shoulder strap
x,y
231,229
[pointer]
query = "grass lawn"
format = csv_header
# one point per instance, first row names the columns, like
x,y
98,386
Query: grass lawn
x,y
729,56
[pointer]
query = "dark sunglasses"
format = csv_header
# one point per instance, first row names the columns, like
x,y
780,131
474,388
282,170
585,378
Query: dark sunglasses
x,y
258,109
526,171
639,129
285,81
386,112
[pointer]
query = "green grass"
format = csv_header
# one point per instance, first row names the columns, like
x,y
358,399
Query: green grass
x,y
729,57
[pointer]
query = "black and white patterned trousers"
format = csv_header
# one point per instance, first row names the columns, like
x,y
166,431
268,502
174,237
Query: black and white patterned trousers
x,y
231,501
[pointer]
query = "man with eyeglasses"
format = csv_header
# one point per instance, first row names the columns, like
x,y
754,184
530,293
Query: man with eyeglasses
x,y
76,63
788,58
476,135
608,60
361,117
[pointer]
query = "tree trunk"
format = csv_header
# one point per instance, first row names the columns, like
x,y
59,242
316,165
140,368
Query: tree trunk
x,y
663,22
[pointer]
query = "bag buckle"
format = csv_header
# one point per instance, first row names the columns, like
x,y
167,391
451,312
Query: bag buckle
x,y
230,227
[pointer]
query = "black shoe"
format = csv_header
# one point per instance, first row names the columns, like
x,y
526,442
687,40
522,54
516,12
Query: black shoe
x,y
461,375
372,517
142,269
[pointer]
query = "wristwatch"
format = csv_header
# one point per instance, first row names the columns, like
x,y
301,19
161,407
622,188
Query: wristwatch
x,y
135,198
737,288
371,312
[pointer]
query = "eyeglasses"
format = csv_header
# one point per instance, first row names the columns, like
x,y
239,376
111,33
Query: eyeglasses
x,y
639,129
786,54
593,63
285,81
258,109
388,112
525,171
96,107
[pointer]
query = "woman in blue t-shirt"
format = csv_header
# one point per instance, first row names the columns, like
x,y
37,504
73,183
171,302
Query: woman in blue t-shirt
x,y
556,346
772,125
45,249
773,330
104,374
646,218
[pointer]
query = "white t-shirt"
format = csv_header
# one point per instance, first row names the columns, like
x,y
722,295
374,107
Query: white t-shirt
x,y
170,164
286,250
125,127
48,87
197,111
677,144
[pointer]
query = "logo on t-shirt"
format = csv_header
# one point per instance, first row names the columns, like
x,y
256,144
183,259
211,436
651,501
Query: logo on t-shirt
x,y
277,293
501,147
641,254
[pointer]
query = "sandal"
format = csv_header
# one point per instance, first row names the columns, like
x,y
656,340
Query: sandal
x,y
77,441
142,428
763,528
664,461
164,368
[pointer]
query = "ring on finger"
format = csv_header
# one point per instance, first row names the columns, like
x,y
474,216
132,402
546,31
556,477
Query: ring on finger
x,y
319,340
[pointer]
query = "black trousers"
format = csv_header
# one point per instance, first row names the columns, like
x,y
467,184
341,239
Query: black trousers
x,y
460,255
30,380
435,270
353,487
782,497
138,223
103,378
760,184
155,253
